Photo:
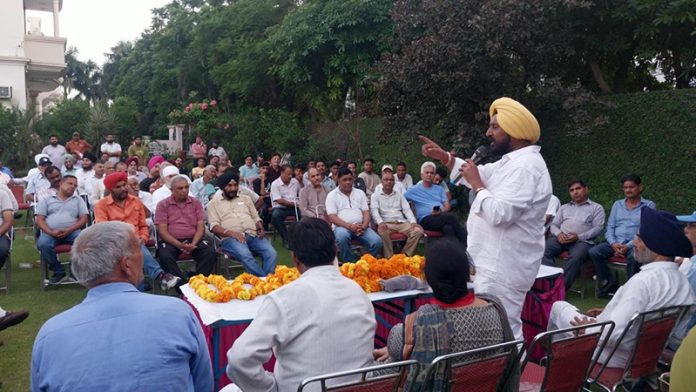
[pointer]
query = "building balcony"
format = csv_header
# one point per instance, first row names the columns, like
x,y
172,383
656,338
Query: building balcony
x,y
46,61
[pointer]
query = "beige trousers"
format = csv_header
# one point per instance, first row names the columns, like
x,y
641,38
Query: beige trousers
x,y
413,234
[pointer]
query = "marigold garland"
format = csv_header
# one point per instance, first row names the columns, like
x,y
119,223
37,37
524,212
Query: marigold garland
x,y
366,272
237,288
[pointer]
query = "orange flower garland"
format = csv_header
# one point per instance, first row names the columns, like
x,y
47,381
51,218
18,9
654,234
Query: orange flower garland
x,y
368,271
237,289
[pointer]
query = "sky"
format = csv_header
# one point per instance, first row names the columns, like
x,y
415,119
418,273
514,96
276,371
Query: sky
x,y
94,26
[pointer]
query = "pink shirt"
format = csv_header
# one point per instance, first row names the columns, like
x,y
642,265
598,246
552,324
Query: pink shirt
x,y
181,218
198,150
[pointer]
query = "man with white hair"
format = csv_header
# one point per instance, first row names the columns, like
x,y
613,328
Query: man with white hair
x,y
97,344
180,223
432,205
68,166
203,188
164,192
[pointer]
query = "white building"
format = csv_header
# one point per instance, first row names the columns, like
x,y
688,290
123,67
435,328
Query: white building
x,y
31,61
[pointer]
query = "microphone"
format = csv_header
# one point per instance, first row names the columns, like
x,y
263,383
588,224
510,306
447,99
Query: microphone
x,y
480,153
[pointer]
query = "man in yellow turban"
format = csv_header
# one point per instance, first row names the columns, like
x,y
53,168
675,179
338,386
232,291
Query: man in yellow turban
x,y
506,221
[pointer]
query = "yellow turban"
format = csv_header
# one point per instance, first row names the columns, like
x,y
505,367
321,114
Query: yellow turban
x,y
515,119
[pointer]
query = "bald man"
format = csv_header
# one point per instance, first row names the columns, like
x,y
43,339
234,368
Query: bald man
x,y
505,225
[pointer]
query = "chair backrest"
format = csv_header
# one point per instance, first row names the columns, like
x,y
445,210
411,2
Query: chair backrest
x,y
652,330
568,359
18,192
380,378
482,369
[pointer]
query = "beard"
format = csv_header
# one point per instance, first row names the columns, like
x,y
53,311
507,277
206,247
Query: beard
x,y
643,256
501,148
230,195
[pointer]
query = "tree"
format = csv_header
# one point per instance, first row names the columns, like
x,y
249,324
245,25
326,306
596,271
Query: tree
x,y
126,117
84,77
68,116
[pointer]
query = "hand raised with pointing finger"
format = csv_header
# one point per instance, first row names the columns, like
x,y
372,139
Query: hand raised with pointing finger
x,y
432,149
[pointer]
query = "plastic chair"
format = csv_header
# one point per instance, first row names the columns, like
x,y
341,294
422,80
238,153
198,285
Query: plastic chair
x,y
8,264
651,330
366,383
483,369
567,359
18,192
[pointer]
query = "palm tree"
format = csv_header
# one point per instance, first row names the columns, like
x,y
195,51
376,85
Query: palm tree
x,y
83,77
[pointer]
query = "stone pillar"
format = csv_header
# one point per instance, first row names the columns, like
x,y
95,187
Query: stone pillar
x,y
56,22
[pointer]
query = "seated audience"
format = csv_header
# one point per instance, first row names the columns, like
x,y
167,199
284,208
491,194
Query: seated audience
x,y
320,323
6,221
574,229
392,213
145,197
234,219
284,192
402,176
660,284
68,166
248,172
371,179
85,172
313,197
197,171
455,320
121,206
138,149
204,187
350,215
39,185
164,192
358,182
622,226
688,265
60,218
132,168
326,182
397,185
432,206
118,338
180,223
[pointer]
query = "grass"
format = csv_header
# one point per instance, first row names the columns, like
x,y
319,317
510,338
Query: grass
x,y
26,294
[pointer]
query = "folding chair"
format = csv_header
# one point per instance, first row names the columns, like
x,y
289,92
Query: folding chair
x,y
8,264
398,240
569,354
651,330
483,369
228,261
60,249
183,258
586,270
366,383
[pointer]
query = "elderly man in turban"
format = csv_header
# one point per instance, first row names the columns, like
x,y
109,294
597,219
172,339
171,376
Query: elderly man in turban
x,y
658,285
124,207
506,220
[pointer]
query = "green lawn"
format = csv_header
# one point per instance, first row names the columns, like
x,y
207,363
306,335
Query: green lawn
x,y
26,294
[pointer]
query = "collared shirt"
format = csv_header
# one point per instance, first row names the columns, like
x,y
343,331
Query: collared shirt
x,y
506,221
425,198
281,190
238,214
142,152
248,171
111,148
95,189
242,191
398,187
55,153
371,181
554,206
407,182
181,218
308,337
623,223
348,207
5,204
11,198
71,172
313,201
79,146
59,213
391,207
132,212
39,186
160,194
147,342
146,199
328,184
83,177
659,284
585,219
202,191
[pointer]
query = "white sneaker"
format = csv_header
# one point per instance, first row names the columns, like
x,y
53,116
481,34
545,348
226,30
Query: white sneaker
x,y
168,281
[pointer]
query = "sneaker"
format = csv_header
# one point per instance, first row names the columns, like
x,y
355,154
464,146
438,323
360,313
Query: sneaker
x,y
57,278
168,281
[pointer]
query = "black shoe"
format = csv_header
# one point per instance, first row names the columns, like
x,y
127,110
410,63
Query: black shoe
x,y
608,290
57,278
12,318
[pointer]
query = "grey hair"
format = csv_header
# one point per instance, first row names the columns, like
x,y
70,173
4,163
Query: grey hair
x,y
427,164
98,249
210,167
179,177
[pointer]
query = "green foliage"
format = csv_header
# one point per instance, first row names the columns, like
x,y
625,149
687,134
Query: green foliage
x,y
649,134
125,114
68,116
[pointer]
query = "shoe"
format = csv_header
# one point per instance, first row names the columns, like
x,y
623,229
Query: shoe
x,y
168,281
12,318
608,290
57,278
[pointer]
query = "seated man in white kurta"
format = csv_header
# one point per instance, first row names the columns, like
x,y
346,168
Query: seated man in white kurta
x,y
659,284
320,323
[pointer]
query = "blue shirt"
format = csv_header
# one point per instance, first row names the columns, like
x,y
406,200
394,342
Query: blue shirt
x,y
425,199
119,339
7,171
623,223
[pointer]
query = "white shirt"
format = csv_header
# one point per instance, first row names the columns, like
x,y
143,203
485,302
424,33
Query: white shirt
x,y
55,153
390,208
348,208
111,148
287,192
398,187
95,189
407,182
506,221
554,205
146,199
160,194
217,151
83,180
321,323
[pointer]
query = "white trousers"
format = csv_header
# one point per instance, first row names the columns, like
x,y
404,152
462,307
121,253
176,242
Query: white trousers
x,y
512,300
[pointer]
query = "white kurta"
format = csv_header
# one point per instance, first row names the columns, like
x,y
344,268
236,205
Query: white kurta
x,y
320,323
658,285
506,227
